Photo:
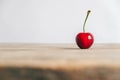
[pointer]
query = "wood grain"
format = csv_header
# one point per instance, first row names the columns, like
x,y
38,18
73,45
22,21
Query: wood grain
x,y
59,62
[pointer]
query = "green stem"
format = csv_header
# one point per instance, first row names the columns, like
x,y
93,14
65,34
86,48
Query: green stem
x,y
88,12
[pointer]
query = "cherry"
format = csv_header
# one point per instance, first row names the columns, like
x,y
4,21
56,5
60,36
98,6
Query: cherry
x,y
84,40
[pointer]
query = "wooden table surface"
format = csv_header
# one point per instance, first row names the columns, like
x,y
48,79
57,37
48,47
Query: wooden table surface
x,y
59,62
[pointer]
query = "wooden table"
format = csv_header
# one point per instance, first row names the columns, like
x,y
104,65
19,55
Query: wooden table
x,y
59,62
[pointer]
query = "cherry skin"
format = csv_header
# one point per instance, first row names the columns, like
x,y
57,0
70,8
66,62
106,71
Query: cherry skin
x,y
84,40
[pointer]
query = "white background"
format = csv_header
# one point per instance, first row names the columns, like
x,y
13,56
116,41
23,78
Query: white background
x,y
58,21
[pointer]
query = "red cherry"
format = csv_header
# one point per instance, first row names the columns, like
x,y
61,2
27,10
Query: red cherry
x,y
84,40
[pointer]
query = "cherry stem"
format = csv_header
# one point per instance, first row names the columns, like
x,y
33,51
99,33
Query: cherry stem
x,y
88,12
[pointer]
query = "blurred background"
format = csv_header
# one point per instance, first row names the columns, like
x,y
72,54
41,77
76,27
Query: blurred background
x,y
58,21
